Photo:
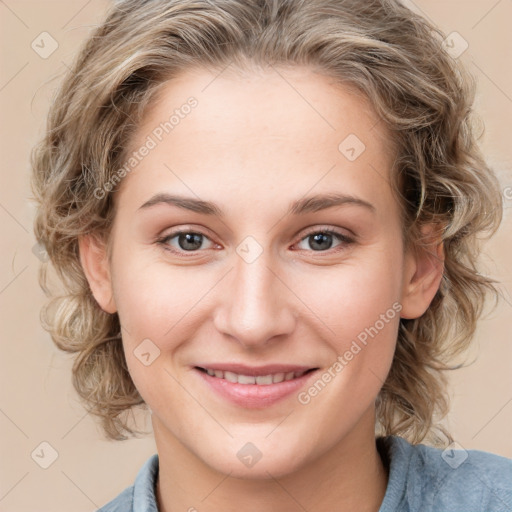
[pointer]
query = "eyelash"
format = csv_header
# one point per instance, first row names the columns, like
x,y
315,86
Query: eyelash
x,y
344,239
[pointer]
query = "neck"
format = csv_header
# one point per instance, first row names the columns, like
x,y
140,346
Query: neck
x,y
348,476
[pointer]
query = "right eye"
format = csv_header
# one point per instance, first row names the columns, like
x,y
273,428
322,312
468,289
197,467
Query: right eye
x,y
179,242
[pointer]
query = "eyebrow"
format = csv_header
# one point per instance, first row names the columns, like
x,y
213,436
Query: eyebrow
x,y
302,206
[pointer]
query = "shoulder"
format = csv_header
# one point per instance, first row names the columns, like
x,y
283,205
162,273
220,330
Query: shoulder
x,y
141,495
428,478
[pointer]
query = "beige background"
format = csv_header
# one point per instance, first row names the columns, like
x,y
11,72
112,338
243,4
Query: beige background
x,y
37,402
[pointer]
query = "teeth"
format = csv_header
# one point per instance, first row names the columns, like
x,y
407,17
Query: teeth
x,y
230,376
246,379
264,380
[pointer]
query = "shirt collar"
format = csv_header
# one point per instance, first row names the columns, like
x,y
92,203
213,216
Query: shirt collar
x,y
144,488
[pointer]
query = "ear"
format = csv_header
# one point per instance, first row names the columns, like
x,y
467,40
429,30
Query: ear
x,y
94,260
423,271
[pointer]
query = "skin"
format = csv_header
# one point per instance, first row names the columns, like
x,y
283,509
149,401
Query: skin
x,y
253,145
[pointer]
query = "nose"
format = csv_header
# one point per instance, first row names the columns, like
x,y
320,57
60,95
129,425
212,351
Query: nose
x,y
256,305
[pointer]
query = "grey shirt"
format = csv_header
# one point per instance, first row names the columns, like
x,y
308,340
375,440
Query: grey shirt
x,y
421,479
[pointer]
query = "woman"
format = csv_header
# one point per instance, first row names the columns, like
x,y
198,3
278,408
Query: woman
x,y
266,217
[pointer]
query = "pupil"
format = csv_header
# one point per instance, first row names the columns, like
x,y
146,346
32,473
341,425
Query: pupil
x,y
321,241
190,241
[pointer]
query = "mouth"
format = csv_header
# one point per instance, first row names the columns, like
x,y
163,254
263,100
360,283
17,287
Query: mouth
x,y
262,380
254,388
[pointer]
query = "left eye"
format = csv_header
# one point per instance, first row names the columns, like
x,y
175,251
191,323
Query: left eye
x,y
320,241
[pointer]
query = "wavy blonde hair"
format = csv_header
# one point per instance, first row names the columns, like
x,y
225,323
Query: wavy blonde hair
x,y
390,54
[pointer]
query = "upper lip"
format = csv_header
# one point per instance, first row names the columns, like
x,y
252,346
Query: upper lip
x,y
255,371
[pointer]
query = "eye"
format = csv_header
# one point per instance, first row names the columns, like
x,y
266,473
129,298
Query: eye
x,y
322,240
184,241
188,241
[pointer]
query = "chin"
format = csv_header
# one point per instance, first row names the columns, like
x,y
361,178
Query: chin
x,y
256,461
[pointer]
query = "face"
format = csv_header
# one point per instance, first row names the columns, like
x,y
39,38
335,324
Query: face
x,y
279,252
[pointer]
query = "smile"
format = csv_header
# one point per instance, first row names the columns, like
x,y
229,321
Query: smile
x,y
264,380
265,387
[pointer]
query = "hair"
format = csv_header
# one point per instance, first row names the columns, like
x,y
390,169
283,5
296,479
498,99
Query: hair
x,y
390,54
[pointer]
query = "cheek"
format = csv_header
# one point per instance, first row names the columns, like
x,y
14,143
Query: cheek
x,y
158,306
152,296
351,297
357,307
156,311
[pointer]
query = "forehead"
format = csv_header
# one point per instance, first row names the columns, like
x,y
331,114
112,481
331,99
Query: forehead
x,y
252,132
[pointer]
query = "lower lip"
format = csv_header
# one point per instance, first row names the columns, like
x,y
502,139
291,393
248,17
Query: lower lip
x,y
254,396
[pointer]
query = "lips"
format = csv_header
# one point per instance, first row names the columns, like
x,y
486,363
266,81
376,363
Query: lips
x,y
254,387
264,375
